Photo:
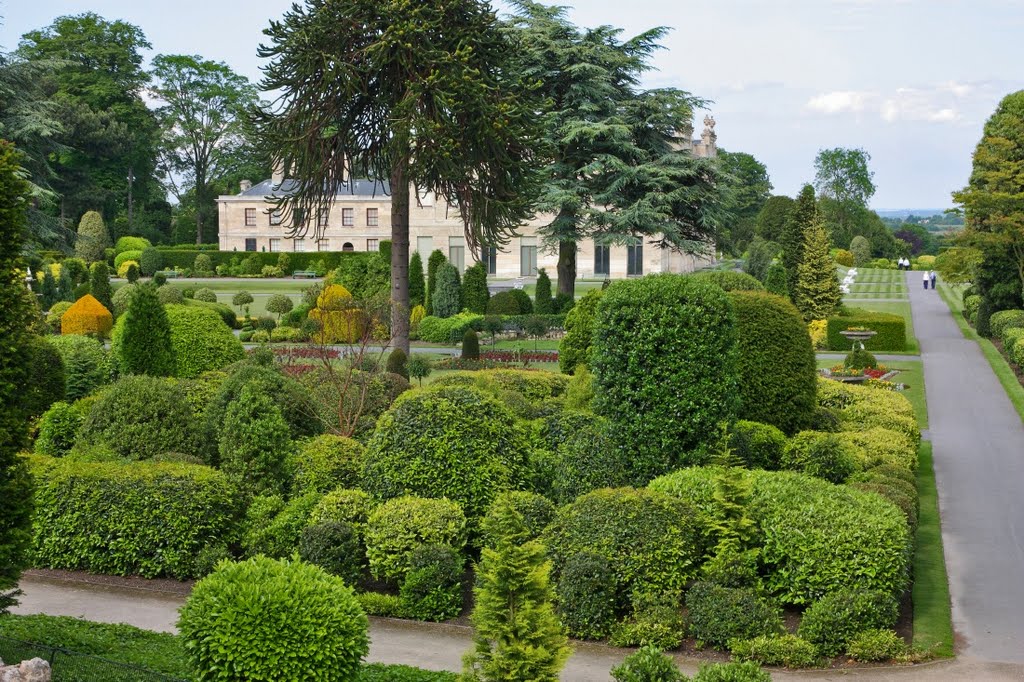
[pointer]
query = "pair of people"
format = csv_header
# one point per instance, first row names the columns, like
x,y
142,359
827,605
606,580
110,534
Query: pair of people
x,y
929,276
903,263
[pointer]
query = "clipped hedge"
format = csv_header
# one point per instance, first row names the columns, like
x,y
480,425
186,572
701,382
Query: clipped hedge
x,y
664,367
200,341
998,323
183,259
451,442
758,446
775,361
836,618
815,537
398,527
578,456
133,255
140,518
718,614
448,329
326,462
574,348
891,330
730,280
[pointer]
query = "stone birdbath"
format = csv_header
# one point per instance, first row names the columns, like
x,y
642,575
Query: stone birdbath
x,y
858,336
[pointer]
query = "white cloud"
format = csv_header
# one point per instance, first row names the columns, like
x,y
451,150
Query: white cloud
x,y
935,104
840,102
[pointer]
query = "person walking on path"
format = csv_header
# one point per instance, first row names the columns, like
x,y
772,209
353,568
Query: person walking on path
x,y
926,279
933,279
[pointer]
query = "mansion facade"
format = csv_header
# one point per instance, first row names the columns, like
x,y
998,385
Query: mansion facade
x,y
360,218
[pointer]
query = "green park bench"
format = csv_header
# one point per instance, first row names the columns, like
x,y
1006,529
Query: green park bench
x,y
307,274
170,274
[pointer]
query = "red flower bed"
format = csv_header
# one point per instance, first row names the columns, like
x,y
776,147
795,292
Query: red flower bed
x,y
519,356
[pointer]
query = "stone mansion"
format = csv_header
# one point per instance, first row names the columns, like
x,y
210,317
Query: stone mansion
x,y
360,218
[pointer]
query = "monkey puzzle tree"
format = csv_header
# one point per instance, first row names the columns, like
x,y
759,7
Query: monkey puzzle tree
x,y
419,94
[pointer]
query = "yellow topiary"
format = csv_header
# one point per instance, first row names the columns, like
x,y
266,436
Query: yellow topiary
x,y
87,316
122,271
818,329
341,321
416,316
55,270
334,297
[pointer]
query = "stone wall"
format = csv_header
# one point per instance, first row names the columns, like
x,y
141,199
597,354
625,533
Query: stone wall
x,y
35,670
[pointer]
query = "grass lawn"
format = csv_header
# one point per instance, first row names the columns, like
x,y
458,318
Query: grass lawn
x,y
894,308
261,290
524,344
933,621
877,283
911,374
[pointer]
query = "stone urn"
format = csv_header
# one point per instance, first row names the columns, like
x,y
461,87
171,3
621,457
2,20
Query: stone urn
x,y
858,336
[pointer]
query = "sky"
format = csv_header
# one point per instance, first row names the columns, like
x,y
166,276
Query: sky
x,y
909,81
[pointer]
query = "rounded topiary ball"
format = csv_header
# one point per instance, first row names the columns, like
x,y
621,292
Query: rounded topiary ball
x,y
453,442
265,619
860,359
778,376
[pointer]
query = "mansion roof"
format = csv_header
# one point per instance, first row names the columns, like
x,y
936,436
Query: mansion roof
x,y
363,188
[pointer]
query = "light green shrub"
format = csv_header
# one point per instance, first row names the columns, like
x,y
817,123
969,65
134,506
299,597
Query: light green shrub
x,y
397,527
326,462
832,621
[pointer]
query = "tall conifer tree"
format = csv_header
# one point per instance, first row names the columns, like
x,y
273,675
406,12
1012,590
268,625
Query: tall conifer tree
x,y
793,234
817,287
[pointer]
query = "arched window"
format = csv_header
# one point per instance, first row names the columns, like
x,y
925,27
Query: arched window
x,y
347,246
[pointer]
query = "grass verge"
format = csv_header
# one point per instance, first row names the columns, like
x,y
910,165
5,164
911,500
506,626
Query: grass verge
x,y
911,374
933,620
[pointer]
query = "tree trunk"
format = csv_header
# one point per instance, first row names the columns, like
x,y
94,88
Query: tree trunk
x,y
567,268
400,249
199,226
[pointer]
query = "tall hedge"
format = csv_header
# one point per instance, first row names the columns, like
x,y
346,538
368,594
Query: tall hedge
x,y
99,284
144,518
93,238
417,283
664,370
474,289
448,442
143,335
891,330
775,361
200,341
574,348
447,294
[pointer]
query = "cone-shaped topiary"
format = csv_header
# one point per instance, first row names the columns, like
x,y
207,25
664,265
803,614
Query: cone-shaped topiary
x,y
470,346
543,302
436,260
397,363
447,295
143,337
817,294
99,284
93,237
417,284
87,316
474,289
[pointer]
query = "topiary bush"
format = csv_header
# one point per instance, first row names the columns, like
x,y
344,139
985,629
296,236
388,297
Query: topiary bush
x,y
891,330
574,348
131,244
470,345
447,330
398,363
788,650
832,621
775,361
1004,319
138,518
582,457
139,417
656,619
446,299
756,445
150,260
280,620
335,547
87,316
747,671
535,512
200,341
730,280
326,462
876,645
58,430
142,339
718,614
344,505
397,527
254,446
587,596
206,295
85,364
56,312
509,303
451,442
860,359
824,455
664,370
274,527
652,542
127,256
971,304
432,588
170,295
648,664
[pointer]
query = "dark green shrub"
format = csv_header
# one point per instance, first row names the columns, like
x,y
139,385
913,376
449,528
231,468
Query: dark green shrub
x,y
417,282
85,364
582,458
524,301
150,261
434,262
121,298
730,280
824,455
775,361
367,395
132,273
982,322
344,505
202,266
664,370
747,671
205,294
470,345
535,512
656,620
397,527
170,295
446,442
891,330
274,527
200,341
48,378
326,462
138,518
758,446
245,619
787,650
397,363
140,416
651,541
447,295
503,303
859,359
563,303
574,348
587,596
648,664
99,284
58,430
142,337
832,621
208,559
776,280
254,445
335,547
876,645
826,419
432,589
474,289
815,537
718,614
544,304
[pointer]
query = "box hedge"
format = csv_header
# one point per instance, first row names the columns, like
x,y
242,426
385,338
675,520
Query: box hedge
x,y
398,527
200,341
87,316
832,621
891,330
182,259
1005,319
139,518
448,329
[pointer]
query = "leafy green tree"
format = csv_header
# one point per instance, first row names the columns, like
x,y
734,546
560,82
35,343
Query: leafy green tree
x,y
817,293
860,247
760,255
474,289
15,375
417,285
613,172
435,261
420,94
517,636
776,281
448,295
280,304
419,366
93,238
242,299
843,177
748,188
771,219
803,214
99,284
202,110
543,302
993,200
255,443
145,340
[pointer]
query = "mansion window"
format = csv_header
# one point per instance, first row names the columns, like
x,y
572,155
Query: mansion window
x,y
527,256
373,245
323,244
250,217
635,259
324,214
348,217
275,217
425,245
372,217
299,245
250,244
275,245
491,259
602,259
457,253
298,217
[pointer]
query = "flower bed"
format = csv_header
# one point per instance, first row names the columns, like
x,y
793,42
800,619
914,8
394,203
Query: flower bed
x,y
518,356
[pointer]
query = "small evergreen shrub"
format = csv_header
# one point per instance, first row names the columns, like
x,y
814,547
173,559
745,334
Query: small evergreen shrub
x,y
202,266
335,547
876,645
758,446
474,289
432,589
398,527
142,340
87,316
447,295
131,244
574,348
982,322
129,255
656,620
121,299
834,620
730,280
447,330
470,345
380,604
587,596
274,527
971,304
170,295
200,341
582,458
859,359
718,614
505,303
1004,319
150,261
58,430
398,363
323,463
245,619
648,664
254,446
535,512
205,294
747,671
824,455
787,650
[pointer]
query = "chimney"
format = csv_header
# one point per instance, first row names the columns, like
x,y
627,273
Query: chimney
x,y
277,176
245,186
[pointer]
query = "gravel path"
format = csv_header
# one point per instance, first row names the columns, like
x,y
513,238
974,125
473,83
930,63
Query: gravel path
x,y
978,439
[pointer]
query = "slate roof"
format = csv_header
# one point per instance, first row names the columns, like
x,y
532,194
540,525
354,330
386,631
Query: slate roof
x,y
362,188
